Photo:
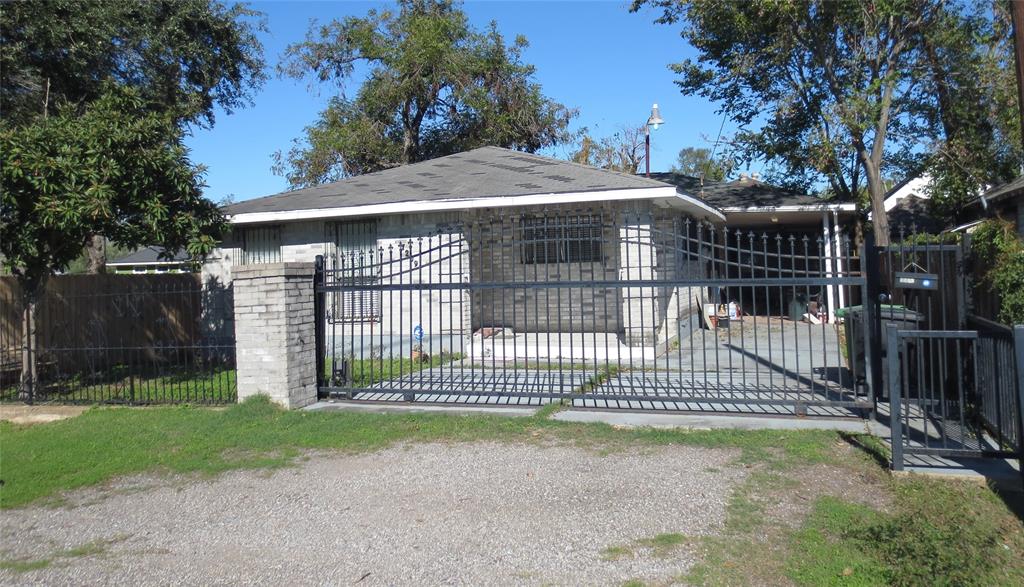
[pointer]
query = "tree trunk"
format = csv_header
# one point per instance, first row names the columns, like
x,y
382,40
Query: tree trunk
x,y
876,189
29,373
97,251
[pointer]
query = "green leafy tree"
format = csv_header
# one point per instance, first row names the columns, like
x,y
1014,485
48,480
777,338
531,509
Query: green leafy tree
x,y
623,151
697,162
835,89
436,86
181,57
114,169
968,58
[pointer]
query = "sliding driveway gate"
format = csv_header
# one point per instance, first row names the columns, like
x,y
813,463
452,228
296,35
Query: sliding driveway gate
x,y
603,309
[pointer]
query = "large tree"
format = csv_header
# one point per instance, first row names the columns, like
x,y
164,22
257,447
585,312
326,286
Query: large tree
x,y
622,151
699,162
435,86
182,58
969,69
832,92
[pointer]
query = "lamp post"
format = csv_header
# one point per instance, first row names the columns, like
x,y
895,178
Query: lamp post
x,y
654,120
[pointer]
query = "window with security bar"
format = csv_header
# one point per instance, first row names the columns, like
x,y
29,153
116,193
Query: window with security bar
x,y
261,245
561,239
359,264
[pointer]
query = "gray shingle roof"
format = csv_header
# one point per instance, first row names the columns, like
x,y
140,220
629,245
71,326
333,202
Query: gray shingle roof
x,y
743,193
480,173
144,255
1001,192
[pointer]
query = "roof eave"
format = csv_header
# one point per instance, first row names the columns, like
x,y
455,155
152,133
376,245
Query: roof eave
x,y
669,193
841,207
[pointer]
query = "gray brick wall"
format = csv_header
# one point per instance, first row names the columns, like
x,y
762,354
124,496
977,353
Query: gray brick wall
x,y
274,332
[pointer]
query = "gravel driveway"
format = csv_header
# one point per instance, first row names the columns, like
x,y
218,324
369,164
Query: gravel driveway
x,y
423,514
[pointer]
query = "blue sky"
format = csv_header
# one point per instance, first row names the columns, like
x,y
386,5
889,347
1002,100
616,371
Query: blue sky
x,y
594,56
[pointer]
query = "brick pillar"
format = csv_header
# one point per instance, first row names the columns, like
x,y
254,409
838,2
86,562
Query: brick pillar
x,y
275,336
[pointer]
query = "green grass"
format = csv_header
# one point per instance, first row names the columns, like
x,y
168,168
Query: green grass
x,y
931,532
660,546
366,372
24,566
176,386
105,442
94,548
939,533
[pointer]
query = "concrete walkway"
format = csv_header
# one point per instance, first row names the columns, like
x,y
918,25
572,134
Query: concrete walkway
x,y
618,417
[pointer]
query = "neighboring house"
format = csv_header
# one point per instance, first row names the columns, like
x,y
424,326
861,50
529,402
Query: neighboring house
x,y
149,260
496,215
1003,201
907,206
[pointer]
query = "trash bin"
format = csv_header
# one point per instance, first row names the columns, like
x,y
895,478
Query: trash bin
x,y
798,307
853,318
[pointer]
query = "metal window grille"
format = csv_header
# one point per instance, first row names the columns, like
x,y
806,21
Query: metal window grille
x,y
261,245
561,239
358,260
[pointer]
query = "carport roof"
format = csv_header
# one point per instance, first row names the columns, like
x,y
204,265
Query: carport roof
x,y
745,194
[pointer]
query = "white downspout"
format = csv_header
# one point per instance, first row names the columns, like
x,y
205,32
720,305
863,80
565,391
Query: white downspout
x,y
839,255
829,268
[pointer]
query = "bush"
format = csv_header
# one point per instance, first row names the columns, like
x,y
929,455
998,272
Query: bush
x,y
999,257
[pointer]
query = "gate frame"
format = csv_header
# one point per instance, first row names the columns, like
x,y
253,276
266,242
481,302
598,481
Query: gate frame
x,y
718,253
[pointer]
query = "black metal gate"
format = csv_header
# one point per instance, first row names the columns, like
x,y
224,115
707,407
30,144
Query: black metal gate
x,y
953,380
606,310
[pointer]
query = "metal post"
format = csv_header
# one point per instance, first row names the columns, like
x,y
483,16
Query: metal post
x,y
871,327
320,316
647,150
1018,348
895,393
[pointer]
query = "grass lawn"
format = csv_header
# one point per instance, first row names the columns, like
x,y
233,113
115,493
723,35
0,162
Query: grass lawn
x,y
852,524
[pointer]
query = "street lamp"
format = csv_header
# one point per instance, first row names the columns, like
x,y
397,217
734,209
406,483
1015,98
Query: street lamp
x,y
654,120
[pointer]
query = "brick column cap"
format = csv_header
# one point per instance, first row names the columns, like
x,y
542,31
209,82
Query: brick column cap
x,y
292,269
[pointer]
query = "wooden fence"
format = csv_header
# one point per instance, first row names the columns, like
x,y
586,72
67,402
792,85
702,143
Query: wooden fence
x,y
128,317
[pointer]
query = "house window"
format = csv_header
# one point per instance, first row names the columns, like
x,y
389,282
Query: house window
x,y
358,263
261,245
561,239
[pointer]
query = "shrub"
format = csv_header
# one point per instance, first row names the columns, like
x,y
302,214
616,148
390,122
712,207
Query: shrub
x,y
999,257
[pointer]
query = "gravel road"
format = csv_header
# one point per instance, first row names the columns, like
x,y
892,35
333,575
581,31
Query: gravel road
x,y
470,514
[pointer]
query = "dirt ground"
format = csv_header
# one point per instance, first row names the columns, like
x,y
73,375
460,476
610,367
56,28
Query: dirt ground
x,y
39,414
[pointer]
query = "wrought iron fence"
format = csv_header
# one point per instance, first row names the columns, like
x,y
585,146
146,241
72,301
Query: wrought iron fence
x,y
134,339
636,310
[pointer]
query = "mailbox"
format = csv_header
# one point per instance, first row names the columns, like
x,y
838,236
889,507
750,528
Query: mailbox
x,y
907,280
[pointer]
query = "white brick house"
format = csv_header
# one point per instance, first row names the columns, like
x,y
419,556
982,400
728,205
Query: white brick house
x,y
435,222
416,204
